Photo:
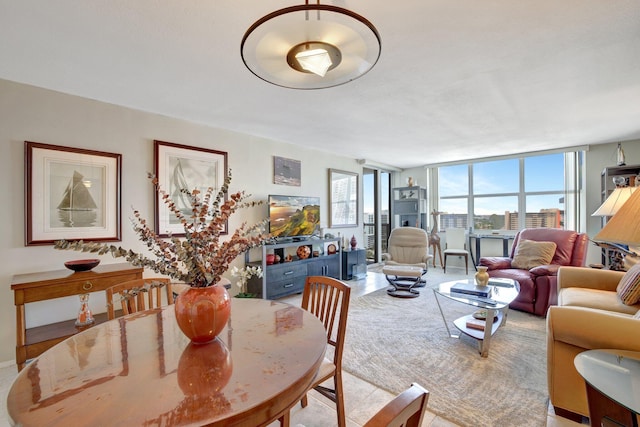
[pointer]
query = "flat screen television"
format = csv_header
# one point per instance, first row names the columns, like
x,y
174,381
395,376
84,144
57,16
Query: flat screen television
x,y
293,217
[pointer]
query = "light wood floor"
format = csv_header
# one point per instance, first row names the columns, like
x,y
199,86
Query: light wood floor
x,y
362,399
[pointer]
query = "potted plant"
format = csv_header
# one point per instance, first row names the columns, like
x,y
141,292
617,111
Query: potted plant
x,y
199,259
243,275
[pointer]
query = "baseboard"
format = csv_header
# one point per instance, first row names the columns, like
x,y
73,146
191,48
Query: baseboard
x,y
7,364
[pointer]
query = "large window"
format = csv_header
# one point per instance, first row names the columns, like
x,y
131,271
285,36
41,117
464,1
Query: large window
x,y
376,190
506,194
453,188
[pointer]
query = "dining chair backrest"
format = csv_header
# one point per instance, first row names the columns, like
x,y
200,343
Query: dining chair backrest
x,y
328,299
456,238
406,410
137,295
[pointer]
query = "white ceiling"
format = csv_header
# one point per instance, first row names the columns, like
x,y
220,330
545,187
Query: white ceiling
x,y
457,79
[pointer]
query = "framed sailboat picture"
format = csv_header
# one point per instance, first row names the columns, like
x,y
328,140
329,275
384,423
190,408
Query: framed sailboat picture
x,y
72,194
181,167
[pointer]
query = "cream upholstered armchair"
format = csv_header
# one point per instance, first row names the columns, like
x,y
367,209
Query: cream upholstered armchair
x,y
590,315
406,261
408,246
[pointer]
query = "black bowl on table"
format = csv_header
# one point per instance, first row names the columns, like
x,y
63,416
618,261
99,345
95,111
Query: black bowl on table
x,y
82,264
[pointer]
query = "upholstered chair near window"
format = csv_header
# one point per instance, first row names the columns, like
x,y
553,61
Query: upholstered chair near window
x,y
536,255
597,309
408,246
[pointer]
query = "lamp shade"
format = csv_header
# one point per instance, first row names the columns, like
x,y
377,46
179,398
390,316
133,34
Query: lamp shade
x,y
616,199
624,227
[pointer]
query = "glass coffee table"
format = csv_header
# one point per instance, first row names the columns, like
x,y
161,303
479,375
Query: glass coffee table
x,y
495,306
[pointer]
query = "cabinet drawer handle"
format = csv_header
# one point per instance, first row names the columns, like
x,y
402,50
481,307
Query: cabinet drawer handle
x,y
289,285
288,273
87,286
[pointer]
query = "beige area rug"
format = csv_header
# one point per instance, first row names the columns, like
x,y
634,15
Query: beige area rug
x,y
392,342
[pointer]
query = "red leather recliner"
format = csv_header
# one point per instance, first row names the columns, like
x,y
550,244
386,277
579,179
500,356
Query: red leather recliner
x,y
538,286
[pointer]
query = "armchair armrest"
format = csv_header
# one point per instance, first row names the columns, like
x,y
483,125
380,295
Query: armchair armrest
x,y
592,278
545,270
386,257
606,329
495,263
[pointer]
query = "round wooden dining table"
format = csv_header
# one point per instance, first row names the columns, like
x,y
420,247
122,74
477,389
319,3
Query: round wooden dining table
x,y
141,370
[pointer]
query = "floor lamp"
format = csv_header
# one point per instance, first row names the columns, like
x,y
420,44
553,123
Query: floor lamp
x,y
609,208
623,229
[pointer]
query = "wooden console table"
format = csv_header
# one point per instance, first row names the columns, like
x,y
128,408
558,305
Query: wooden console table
x,y
48,285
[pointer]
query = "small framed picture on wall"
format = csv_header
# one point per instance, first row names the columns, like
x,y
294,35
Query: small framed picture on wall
x,y
286,171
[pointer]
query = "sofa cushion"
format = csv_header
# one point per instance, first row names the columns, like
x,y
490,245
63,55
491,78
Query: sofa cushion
x,y
629,287
637,315
595,298
530,254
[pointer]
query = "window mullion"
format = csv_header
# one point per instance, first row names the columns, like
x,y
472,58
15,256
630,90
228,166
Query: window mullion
x,y
522,202
470,203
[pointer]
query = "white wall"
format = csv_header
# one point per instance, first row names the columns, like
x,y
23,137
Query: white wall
x,y
33,114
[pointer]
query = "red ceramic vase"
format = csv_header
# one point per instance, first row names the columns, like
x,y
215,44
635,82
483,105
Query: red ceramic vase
x,y
202,313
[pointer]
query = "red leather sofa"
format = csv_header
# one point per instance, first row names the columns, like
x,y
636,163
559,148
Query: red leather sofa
x,y
538,286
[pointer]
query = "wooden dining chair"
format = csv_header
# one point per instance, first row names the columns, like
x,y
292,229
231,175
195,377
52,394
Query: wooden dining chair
x,y
406,410
137,295
328,299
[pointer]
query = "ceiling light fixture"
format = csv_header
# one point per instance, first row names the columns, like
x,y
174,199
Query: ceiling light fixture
x,y
311,46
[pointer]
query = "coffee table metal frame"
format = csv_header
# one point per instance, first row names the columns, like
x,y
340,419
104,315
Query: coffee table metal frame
x,y
502,294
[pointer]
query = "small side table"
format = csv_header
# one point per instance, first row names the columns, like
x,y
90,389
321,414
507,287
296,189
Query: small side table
x,y
613,386
354,264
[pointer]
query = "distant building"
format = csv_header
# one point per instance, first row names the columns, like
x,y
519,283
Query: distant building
x,y
550,218
368,230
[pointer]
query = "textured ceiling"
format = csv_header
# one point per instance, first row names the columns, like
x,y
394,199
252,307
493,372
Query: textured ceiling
x,y
456,79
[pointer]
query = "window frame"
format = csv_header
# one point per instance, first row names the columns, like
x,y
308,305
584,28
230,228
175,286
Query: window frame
x,y
572,165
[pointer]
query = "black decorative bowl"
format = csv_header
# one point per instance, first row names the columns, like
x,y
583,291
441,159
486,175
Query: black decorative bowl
x,y
82,264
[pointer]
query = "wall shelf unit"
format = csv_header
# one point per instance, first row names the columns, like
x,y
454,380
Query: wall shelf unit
x,y
628,172
409,207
